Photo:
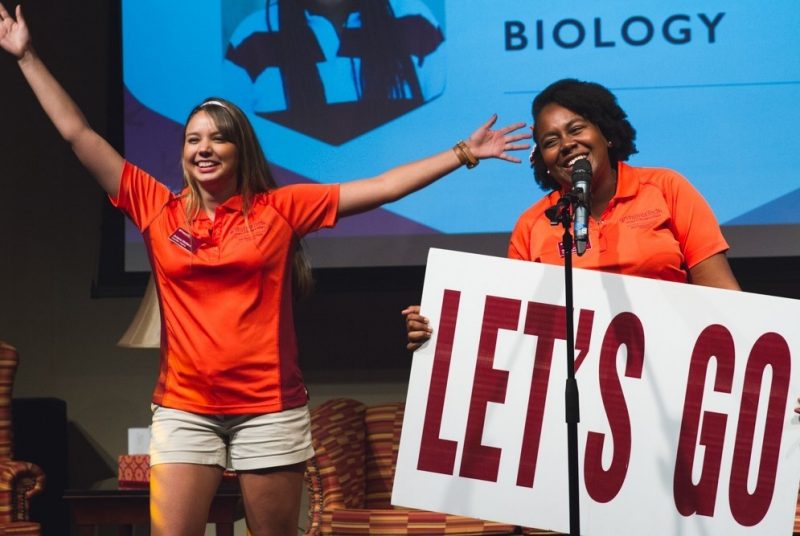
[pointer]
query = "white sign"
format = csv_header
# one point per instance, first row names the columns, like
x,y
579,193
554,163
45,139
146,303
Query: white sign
x,y
686,398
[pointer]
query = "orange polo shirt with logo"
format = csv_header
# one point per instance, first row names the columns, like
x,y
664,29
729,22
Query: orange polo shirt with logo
x,y
228,344
657,225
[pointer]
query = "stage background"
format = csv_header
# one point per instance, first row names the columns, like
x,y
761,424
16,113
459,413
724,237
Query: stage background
x,y
52,222
702,82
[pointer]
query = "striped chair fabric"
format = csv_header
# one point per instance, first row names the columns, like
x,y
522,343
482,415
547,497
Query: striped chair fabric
x,y
19,481
350,477
28,528
797,520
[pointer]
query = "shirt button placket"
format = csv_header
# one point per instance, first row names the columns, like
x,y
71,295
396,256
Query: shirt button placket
x,y
215,233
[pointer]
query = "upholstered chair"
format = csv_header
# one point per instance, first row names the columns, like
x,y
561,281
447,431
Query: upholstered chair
x,y
350,478
19,480
797,520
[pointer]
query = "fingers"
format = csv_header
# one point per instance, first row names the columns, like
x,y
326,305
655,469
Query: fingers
x,y
5,15
519,136
490,123
417,324
513,147
517,146
418,333
414,321
410,309
419,336
509,158
417,329
417,339
511,128
510,140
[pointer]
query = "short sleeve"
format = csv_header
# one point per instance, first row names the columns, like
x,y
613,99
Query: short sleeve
x,y
307,207
694,223
141,197
518,247
524,244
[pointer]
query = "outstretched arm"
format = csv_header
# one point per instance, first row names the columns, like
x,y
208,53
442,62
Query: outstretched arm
x,y
102,160
365,194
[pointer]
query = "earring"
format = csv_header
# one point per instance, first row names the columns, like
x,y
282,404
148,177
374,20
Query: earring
x,y
610,144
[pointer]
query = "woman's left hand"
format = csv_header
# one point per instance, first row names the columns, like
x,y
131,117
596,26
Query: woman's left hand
x,y
14,35
488,143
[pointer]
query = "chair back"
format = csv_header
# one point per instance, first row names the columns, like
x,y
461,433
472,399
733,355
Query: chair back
x,y
383,424
9,359
350,477
337,431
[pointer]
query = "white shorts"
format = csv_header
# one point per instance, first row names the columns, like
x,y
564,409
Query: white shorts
x,y
239,442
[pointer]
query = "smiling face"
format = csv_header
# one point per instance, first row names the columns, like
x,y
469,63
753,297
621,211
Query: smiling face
x,y
563,137
209,158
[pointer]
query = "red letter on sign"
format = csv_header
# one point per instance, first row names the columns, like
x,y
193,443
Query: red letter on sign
x,y
769,350
714,341
547,322
489,385
435,454
602,485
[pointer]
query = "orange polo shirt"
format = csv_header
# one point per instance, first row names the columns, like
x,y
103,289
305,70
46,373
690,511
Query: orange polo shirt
x,y
656,225
228,344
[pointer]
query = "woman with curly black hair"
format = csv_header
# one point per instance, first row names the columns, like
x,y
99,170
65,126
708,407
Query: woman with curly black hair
x,y
648,222
594,103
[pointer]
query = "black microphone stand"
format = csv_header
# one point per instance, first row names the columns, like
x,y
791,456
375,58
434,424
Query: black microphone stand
x,y
561,213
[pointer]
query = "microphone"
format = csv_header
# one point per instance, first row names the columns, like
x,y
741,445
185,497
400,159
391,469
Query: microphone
x,y
582,181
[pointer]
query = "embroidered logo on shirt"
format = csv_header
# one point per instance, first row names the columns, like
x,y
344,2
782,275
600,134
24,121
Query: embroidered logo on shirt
x,y
574,247
182,238
641,219
255,230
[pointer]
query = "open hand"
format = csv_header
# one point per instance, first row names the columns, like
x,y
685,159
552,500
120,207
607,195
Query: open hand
x,y
417,329
14,35
488,143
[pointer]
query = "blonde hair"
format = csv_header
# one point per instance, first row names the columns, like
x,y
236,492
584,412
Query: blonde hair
x,y
253,175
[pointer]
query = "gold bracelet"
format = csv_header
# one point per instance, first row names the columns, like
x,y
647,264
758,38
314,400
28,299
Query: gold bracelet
x,y
464,155
462,158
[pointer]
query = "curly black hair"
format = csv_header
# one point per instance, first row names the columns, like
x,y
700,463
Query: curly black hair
x,y
593,102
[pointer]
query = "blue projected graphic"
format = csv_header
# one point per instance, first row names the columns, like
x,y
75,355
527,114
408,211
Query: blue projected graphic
x,y
712,92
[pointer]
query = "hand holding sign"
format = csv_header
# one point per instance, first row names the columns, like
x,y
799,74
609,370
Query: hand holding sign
x,y
685,402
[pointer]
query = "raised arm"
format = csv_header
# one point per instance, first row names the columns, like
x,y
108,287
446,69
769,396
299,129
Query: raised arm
x,y
365,194
99,157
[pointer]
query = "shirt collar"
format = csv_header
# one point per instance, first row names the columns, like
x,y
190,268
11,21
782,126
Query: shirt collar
x,y
232,204
627,185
